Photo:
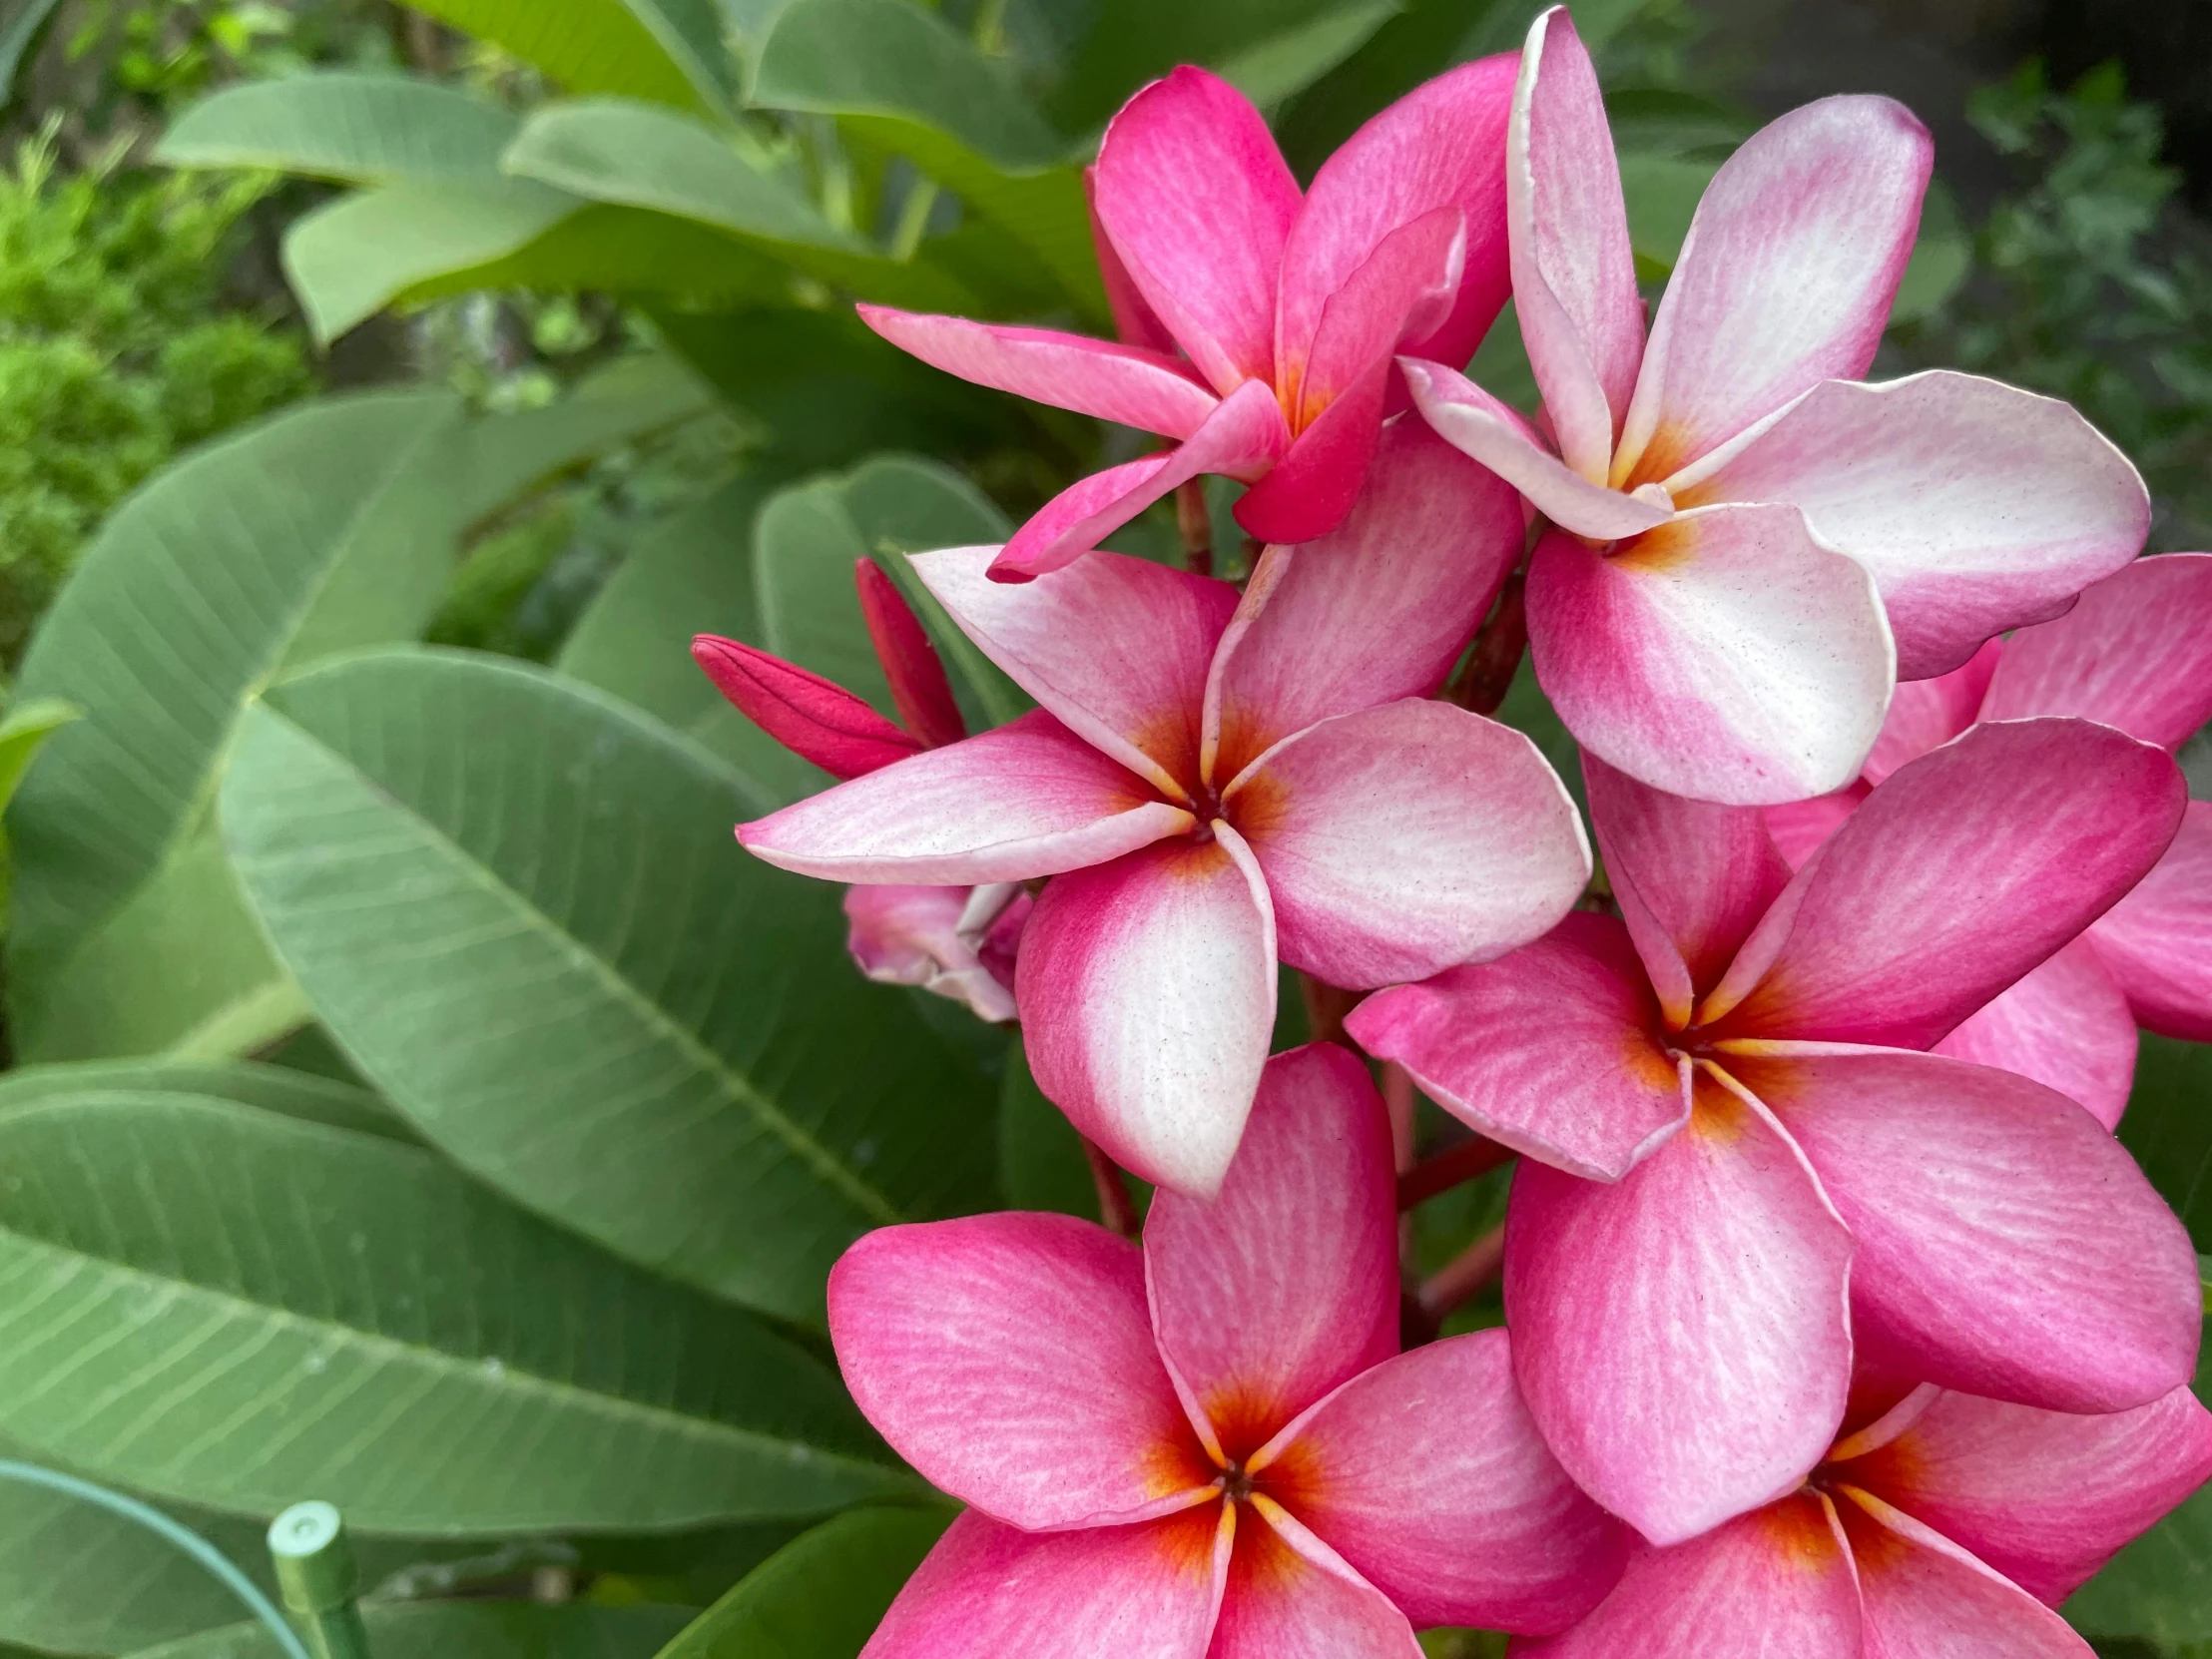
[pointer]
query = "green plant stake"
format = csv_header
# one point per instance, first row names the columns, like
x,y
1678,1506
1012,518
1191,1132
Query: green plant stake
x,y
315,1569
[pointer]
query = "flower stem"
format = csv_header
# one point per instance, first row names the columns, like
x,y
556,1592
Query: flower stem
x,y
1115,1208
1326,1007
1195,525
1474,1269
1487,675
1476,1155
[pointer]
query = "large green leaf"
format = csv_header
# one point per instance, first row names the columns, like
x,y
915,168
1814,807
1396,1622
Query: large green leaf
x,y
468,1630
820,1596
1132,41
2168,1127
338,124
278,1089
229,1307
516,905
671,51
1281,66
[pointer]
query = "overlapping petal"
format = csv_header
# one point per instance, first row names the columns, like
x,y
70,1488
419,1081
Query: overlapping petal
x,y
1290,1596
905,936
1928,713
2135,653
815,719
920,688
1922,1597
2066,1025
2157,941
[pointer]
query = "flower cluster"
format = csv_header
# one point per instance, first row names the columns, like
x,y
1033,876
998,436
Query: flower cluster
x,y
1839,1322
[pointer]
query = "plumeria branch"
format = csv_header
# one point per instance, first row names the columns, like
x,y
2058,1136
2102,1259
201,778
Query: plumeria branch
x,y
1456,1165
1115,1207
1472,1271
1487,675
1194,521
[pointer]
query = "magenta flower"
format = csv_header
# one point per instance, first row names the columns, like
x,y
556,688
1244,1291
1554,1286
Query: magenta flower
x,y
1751,546
1950,1526
1289,309
1214,781
1738,1170
1211,1447
2136,653
958,943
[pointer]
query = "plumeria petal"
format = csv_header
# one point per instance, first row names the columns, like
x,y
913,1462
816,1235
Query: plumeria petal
x,y
1138,1592
1958,874
2157,941
1126,383
1029,798
2006,1243
1400,839
1286,1285
905,936
815,719
1922,1597
1290,1596
2066,1025
1147,992
1707,1381
1776,1581
918,686
1311,489
1798,828
1404,286
1977,506
1926,714
1553,1050
1198,201
1009,1359
2044,1498
1725,656
1134,320
1574,274
1427,1475
1785,279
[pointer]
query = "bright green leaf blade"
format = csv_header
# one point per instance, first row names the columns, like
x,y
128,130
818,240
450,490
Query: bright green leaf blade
x,y
359,129
516,905
1281,66
820,1596
2169,1128
24,732
669,51
229,1308
469,1630
1662,192
278,1089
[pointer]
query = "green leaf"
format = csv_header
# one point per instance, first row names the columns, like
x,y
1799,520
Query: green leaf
x,y
229,1308
1942,256
18,36
1662,192
1132,41
2159,1588
2169,1130
469,1630
1282,66
820,1596
515,903
278,1089
1041,1165
24,732
669,51
343,125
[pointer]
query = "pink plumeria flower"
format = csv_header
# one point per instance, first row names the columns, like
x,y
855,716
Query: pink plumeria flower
x,y
1214,782
2136,653
1738,1170
956,942
1751,547
1950,1527
1209,1449
1288,307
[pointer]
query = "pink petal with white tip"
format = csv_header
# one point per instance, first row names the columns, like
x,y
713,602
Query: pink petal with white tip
x,y
911,936
2066,1026
1922,1597
1290,1596
2157,941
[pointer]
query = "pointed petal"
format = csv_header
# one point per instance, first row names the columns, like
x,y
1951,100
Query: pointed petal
x,y
1774,1582
1574,274
1427,1475
1471,421
2136,653
1681,1337
1008,1357
1691,878
1134,322
1922,1597
2157,941
2066,1025
1117,647
1926,713
1977,506
815,719
1029,798
1378,609
904,935
1404,288
1198,201
1125,383
1785,279
1724,656
916,677
1137,1593
2006,1243
1147,992
1959,874
1290,1596
2044,1498
1311,489
1404,839
1553,1050
1286,1285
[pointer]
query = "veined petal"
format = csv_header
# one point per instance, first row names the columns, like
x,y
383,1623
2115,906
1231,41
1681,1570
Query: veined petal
x,y
2066,1025
1290,1596
1427,1474
1198,201
1147,992
1377,610
1922,1597
1959,874
1124,383
1798,828
1725,656
1574,274
1134,322
1553,1050
1310,490
1682,1336
918,686
2135,653
815,719
1009,1359
1149,1591
1926,713
2157,941
1776,1581
2007,1244
1029,798
1286,1285
1400,840
1977,506
1404,288
910,935
2044,1498
1785,279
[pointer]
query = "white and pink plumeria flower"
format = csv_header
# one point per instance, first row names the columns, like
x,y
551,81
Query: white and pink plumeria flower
x,y
1216,781
1750,547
